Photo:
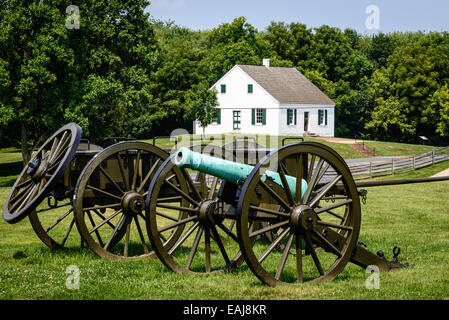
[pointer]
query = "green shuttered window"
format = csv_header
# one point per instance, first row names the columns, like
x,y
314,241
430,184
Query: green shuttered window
x,y
291,116
218,116
322,117
223,88
258,116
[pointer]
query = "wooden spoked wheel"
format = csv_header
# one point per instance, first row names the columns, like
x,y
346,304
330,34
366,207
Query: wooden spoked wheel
x,y
54,220
109,200
42,173
315,226
206,243
55,231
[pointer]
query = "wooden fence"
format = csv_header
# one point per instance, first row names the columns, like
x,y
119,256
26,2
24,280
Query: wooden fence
x,y
398,165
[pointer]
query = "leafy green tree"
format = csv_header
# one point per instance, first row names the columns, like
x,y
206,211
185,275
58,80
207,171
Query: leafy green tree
x,y
236,31
97,74
438,109
181,74
115,52
280,39
223,57
289,42
34,58
200,103
404,87
438,51
380,49
389,119
234,43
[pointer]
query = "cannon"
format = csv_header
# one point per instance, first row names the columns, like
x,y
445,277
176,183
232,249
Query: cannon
x,y
72,184
302,195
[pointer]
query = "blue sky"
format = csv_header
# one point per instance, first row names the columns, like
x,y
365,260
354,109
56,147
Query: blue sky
x,y
394,15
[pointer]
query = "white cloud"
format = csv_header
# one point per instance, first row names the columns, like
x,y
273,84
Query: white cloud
x,y
169,4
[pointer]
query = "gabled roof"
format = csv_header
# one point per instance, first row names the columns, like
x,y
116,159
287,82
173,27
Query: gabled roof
x,y
287,85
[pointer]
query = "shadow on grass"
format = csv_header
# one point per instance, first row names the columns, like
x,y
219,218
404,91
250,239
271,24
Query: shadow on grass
x,y
10,168
134,249
9,172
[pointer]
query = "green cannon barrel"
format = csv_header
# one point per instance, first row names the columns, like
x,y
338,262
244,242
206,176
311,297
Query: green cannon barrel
x,y
228,170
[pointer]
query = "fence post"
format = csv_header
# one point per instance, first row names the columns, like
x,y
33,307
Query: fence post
x,y
433,156
392,166
370,169
414,161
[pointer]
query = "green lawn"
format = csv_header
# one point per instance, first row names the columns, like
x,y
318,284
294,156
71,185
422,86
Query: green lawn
x,y
414,217
397,149
10,166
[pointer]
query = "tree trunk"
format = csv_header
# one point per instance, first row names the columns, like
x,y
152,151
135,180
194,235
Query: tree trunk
x,y
26,154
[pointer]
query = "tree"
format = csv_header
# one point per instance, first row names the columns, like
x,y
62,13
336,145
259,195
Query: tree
x,y
389,119
34,58
236,31
380,49
200,104
222,58
180,71
115,52
405,86
289,42
438,110
280,39
97,75
234,43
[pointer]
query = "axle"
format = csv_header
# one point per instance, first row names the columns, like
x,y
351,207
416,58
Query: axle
x,y
365,184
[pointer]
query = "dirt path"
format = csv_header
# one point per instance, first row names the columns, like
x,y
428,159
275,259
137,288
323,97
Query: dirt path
x,y
352,142
443,173
336,140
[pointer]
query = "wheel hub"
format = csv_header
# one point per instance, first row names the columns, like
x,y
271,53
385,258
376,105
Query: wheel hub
x,y
207,213
37,168
133,203
303,218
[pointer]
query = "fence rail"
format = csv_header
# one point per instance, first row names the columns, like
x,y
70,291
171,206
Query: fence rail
x,y
398,165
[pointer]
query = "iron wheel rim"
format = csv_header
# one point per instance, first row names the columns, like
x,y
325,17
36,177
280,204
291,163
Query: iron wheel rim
x,y
93,224
203,234
31,187
271,275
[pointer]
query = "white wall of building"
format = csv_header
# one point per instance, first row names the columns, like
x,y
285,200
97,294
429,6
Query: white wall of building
x,y
238,98
313,126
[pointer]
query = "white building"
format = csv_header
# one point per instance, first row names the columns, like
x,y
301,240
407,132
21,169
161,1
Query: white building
x,y
270,100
